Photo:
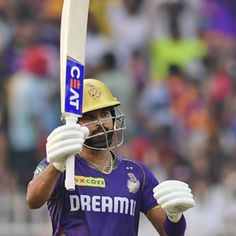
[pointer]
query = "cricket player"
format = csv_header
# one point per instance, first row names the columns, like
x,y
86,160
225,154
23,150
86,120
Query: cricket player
x,y
111,191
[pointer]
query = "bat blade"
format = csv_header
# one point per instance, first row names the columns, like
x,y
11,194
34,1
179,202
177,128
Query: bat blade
x,y
72,59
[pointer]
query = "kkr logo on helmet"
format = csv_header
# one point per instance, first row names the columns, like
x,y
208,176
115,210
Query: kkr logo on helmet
x,y
94,92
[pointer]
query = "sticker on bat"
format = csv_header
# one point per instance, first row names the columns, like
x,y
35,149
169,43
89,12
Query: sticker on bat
x,y
74,88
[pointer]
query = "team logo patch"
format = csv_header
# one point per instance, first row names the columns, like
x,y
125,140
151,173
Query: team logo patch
x,y
94,92
133,184
90,181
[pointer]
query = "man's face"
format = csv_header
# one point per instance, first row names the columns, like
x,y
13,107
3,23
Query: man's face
x,y
100,125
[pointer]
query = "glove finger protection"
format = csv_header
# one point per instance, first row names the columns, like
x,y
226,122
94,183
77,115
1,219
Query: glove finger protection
x,y
62,149
169,198
62,130
63,141
174,197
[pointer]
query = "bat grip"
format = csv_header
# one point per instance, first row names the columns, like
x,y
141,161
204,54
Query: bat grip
x,y
70,162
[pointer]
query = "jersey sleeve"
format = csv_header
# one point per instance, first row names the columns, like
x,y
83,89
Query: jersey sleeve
x,y
149,182
40,167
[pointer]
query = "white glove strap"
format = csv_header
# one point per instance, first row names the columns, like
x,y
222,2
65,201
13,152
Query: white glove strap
x,y
174,217
59,166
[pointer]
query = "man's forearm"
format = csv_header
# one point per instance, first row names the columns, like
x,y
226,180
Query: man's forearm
x,y
40,188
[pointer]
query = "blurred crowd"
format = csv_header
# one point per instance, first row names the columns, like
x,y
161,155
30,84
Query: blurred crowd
x,y
172,63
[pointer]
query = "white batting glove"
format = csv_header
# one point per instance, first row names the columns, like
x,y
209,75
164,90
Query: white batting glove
x,y
63,141
174,197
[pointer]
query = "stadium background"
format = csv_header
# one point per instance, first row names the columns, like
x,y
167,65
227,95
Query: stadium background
x,y
172,64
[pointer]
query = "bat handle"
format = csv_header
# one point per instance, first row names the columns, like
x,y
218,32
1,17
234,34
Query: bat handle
x,y
70,173
70,162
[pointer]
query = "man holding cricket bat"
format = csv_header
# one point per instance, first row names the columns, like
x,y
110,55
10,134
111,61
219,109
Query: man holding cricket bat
x,y
110,191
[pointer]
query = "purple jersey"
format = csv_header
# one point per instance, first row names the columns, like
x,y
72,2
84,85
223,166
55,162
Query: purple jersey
x,y
102,204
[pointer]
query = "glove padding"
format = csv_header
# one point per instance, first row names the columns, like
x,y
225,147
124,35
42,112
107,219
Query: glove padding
x,y
174,197
64,141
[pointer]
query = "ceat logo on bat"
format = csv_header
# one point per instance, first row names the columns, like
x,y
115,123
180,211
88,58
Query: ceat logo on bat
x,y
74,86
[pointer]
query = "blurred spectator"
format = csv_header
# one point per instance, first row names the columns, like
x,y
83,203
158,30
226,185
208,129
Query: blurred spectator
x,y
138,70
153,109
228,191
24,37
52,9
97,44
187,103
218,23
121,85
6,180
207,214
6,34
217,157
130,29
99,10
183,12
28,103
220,84
174,49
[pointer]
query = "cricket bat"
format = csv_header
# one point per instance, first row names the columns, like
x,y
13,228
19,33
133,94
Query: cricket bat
x,y
72,63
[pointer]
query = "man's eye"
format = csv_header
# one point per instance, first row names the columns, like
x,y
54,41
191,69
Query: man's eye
x,y
87,117
105,114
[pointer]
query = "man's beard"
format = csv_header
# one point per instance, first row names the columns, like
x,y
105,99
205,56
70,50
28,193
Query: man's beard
x,y
104,140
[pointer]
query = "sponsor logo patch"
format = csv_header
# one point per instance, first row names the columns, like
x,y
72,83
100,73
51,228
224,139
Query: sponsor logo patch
x,y
74,88
90,181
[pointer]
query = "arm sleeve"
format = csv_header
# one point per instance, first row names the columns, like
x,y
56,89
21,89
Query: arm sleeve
x,y
149,182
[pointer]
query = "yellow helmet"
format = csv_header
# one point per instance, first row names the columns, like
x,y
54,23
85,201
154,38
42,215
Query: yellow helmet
x,y
97,95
